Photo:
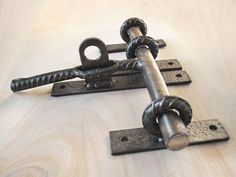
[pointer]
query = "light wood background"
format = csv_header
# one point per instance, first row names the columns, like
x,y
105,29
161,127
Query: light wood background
x,y
42,136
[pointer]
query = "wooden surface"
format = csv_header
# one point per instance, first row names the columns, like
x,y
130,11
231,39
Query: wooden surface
x,y
42,136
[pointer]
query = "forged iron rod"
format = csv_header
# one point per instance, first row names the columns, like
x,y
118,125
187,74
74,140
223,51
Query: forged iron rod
x,y
172,127
56,76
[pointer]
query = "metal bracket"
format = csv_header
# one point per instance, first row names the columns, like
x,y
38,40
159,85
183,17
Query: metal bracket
x,y
139,140
102,61
112,48
163,65
124,80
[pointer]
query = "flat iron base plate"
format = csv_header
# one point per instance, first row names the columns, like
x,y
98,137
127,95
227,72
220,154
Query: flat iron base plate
x,y
139,140
132,81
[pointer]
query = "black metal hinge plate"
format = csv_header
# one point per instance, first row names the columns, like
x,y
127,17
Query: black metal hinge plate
x,y
139,140
126,80
163,65
133,81
112,48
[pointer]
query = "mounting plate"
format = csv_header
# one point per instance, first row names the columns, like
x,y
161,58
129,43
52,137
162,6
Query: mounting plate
x,y
124,80
139,140
133,81
163,65
112,48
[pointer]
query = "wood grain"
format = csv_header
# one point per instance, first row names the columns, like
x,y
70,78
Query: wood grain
x,y
68,136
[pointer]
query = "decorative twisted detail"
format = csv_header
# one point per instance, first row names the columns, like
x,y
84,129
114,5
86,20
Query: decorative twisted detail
x,y
43,79
139,41
132,22
56,76
162,105
106,71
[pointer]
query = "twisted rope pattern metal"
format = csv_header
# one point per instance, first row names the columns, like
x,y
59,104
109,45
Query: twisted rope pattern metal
x,y
132,22
43,79
139,41
162,105
48,78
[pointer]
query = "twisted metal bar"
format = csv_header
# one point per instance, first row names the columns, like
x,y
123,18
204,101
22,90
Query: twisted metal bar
x,y
56,76
43,79
162,105
142,41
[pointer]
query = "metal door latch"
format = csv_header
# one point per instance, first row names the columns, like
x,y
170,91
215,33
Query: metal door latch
x,y
166,120
102,74
139,140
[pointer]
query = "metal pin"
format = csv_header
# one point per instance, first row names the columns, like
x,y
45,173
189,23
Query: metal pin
x,y
172,127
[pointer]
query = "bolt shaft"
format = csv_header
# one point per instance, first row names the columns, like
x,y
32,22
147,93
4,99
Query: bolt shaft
x,y
172,127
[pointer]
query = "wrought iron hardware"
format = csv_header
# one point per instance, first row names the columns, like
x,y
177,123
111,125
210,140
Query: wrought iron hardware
x,y
102,74
166,120
112,48
124,80
139,140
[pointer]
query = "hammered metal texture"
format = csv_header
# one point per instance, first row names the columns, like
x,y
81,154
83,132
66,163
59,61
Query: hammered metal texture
x,y
163,65
139,140
119,83
206,131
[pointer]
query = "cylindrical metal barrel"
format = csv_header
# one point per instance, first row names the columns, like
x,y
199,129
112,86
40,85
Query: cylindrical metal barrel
x,y
172,127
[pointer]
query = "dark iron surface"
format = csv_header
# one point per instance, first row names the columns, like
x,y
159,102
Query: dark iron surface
x,y
142,41
139,140
102,61
118,68
163,65
125,82
140,71
162,105
145,49
56,76
112,48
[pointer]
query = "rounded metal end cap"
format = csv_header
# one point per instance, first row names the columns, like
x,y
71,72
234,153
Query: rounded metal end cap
x,y
173,130
177,141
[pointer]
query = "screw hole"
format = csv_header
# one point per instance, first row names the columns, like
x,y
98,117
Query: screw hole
x,y
213,127
170,63
178,75
62,86
124,138
92,52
